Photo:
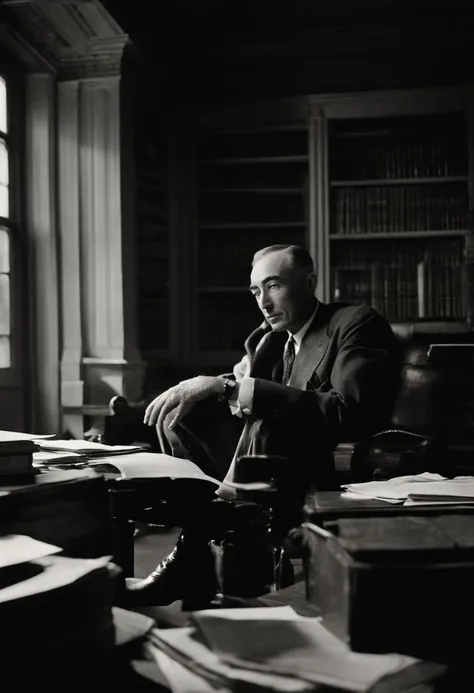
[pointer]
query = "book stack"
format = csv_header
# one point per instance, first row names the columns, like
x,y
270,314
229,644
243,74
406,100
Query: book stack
x,y
52,607
16,456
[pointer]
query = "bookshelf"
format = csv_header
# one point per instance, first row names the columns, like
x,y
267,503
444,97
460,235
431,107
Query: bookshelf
x,y
378,185
399,207
252,191
153,244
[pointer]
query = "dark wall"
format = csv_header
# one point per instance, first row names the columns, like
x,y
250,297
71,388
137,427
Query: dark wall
x,y
211,51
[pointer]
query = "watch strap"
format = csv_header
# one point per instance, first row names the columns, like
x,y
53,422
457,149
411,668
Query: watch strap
x,y
229,387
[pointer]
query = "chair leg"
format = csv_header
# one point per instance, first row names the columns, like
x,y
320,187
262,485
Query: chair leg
x,y
124,530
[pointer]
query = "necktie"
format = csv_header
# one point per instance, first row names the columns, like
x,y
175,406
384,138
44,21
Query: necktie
x,y
288,360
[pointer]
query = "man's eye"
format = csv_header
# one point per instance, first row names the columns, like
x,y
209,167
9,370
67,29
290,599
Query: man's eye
x,y
255,294
273,286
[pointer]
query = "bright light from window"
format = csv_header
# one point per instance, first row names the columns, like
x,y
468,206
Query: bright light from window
x,y
5,321
3,106
4,196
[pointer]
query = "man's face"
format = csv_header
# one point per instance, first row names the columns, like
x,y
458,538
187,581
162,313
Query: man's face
x,y
283,293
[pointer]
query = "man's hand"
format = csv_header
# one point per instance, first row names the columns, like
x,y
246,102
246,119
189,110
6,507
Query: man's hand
x,y
180,398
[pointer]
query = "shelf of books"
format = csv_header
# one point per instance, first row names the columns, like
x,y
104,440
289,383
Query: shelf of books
x,y
153,245
252,192
399,215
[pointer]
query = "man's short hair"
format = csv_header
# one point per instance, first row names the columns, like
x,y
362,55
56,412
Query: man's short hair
x,y
300,257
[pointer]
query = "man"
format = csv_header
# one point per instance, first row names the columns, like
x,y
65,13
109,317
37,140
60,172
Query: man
x,y
313,375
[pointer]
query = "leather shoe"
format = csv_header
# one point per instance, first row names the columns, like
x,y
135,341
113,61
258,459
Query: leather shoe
x,y
187,573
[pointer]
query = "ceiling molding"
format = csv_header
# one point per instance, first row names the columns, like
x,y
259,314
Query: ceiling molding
x,y
76,37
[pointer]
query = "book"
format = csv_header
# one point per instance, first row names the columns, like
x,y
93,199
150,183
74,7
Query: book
x,y
153,465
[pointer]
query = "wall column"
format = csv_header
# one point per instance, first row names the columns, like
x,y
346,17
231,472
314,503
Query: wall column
x,y
40,154
100,357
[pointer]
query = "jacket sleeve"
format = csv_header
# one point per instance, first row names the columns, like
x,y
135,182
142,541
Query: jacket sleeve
x,y
359,396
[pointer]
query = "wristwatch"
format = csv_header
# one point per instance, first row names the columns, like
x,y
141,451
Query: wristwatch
x,y
229,387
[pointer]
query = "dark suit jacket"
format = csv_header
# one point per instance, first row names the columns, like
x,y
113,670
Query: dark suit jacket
x,y
342,384
342,387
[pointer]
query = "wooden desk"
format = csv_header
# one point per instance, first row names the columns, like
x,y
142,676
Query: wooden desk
x,y
326,506
67,508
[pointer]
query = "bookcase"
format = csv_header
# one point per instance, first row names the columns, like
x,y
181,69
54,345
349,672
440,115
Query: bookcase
x,y
153,243
377,185
399,210
252,191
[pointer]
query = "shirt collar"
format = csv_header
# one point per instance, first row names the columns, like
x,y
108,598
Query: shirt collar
x,y
298,337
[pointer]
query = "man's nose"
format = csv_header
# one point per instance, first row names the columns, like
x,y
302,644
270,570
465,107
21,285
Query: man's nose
x,y
265,301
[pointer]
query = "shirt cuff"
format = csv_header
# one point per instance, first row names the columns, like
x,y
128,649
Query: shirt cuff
x,y
245,396
233,401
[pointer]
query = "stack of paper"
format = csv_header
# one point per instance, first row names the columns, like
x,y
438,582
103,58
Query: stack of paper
x,y
423,489
50,458
52,606
86,447
16,454
274,649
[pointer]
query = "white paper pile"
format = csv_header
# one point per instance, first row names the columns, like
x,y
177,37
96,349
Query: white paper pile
x,y
273,649
417,489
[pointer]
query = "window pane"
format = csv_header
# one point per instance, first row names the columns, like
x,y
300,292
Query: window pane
x,y
4,251
3,163
5,356
3,105
4,304
4,202
4,197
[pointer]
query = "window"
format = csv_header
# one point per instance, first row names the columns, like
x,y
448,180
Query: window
x,y
5,316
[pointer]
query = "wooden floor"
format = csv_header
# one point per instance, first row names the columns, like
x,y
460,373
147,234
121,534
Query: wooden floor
x,y
151,547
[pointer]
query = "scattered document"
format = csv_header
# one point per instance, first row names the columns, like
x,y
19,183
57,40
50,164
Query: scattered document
x,y
417,488
262,613
279,651
50,458
56,573
13,437
154,465
19,548
299,648
181,645
180,678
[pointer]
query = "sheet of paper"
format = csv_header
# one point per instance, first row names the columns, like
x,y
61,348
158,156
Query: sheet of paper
x,y
12,436
180,678
154,465
350,495
397,488
461,487
262,613
20,548
304,649
58,571
182,645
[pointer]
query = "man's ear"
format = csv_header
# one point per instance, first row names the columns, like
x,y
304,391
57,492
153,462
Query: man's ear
x,y
312,280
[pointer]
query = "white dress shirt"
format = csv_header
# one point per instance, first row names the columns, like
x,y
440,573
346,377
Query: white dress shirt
x,y
242,397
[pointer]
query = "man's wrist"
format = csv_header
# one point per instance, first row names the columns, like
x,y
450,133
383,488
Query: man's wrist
x,y
226,389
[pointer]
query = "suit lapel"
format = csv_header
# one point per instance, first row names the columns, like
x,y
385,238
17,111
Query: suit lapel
x,y
311,352
269,355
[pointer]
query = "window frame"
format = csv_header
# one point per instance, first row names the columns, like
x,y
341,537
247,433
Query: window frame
x,y
13,375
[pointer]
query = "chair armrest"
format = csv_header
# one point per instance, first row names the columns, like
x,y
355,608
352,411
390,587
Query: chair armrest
x,y
387,453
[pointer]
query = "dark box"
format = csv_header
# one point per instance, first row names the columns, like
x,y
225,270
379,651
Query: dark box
x,y
395,584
